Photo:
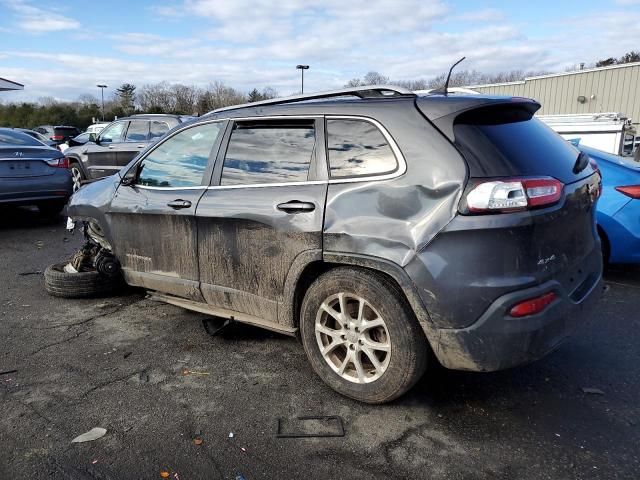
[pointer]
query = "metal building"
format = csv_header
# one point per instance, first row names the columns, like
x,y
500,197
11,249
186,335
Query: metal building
x,y
607,89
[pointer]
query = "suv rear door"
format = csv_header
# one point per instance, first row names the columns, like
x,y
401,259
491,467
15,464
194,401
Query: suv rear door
x,y
152,220
263,212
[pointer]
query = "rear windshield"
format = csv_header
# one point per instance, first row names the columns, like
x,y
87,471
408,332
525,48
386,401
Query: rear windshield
x,y
8,137
500,142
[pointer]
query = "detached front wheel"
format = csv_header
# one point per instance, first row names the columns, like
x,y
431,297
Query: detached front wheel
x,y
61,281
360,336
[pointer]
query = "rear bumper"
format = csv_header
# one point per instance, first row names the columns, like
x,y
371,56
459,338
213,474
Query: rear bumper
x,y
497,341
31,190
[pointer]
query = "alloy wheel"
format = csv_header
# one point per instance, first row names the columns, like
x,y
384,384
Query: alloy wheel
x,y
76,175
353,338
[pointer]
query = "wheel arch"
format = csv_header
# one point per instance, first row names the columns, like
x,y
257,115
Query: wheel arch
x,y
301,276
75,158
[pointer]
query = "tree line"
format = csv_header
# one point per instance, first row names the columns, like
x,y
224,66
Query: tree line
x,y
128,100
182,99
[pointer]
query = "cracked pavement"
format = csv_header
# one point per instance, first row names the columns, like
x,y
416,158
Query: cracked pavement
x,y
119,363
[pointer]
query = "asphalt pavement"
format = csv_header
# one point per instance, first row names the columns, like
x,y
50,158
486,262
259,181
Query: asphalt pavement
x,y
174,399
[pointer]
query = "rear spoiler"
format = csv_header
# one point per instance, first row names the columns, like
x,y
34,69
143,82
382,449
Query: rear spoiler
x,y
443,111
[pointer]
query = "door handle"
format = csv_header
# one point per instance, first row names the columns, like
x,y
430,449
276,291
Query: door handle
x,y
295,206
178,204
141,146
111,146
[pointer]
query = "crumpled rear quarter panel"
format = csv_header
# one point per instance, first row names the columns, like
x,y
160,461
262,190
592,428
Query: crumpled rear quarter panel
x,y
394,219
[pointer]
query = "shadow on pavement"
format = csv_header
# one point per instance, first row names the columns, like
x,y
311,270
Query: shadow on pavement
x,y
27,217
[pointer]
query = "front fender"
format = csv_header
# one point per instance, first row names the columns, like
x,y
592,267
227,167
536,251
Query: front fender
x,y
92,202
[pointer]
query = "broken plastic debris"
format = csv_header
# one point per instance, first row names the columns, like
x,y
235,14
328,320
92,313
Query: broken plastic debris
x,y
93,434
230,434
593,391
243,449
164,474
240,477
94,462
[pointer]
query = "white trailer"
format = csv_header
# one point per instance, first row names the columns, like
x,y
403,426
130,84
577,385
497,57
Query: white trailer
x,y
610,132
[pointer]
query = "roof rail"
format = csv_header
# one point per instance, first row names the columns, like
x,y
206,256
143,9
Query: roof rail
x,y
365,91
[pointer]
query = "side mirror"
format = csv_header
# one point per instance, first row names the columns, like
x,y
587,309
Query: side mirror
x,y
129,178
94,138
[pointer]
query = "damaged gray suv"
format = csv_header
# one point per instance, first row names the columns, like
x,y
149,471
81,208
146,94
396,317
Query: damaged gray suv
x,y
387,230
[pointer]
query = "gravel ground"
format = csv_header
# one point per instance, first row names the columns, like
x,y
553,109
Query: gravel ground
x,y
119,363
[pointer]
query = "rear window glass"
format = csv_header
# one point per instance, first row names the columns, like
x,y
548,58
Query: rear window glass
x,y
138,131
9,137
358,147
499,143
158,129
269,152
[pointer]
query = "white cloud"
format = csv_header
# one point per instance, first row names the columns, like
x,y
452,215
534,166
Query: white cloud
x,y
37,20
484,15
251,43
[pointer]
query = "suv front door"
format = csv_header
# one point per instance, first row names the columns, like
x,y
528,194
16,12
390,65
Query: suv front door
x,y
102,156
152,220
262,214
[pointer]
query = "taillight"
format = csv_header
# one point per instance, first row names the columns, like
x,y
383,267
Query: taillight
x,y
532,305
57,137
632,191
508,195
62,162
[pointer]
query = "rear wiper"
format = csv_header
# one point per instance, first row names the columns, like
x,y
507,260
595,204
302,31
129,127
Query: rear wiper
x,y
581,162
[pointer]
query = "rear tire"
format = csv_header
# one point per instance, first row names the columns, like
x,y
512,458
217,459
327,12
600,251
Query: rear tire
x,y
379,349
59,283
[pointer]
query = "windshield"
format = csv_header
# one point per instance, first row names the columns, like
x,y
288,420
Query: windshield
x,y
12,137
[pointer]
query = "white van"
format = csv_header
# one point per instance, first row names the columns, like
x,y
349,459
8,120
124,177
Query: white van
x,y
610,132
96,127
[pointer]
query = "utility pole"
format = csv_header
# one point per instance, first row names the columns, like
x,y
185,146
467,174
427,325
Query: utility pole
x,y
302,68
102,87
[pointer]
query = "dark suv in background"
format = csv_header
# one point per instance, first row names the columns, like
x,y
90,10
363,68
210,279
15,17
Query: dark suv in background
x,y
58,133
385,229
117,144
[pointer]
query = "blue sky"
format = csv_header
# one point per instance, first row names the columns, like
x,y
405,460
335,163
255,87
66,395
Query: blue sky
x,y
62,49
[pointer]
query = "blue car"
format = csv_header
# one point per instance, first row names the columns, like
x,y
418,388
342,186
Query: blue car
x,y
32,173
618,213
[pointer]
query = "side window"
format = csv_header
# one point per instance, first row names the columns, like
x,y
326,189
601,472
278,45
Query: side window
x,y
181,160
358,147
158,129
113,133
269,152
138,131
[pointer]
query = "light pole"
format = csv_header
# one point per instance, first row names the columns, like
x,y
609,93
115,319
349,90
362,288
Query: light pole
x,y
302,68
102,87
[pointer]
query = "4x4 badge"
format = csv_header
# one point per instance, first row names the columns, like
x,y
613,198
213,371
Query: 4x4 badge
x,y
17,154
